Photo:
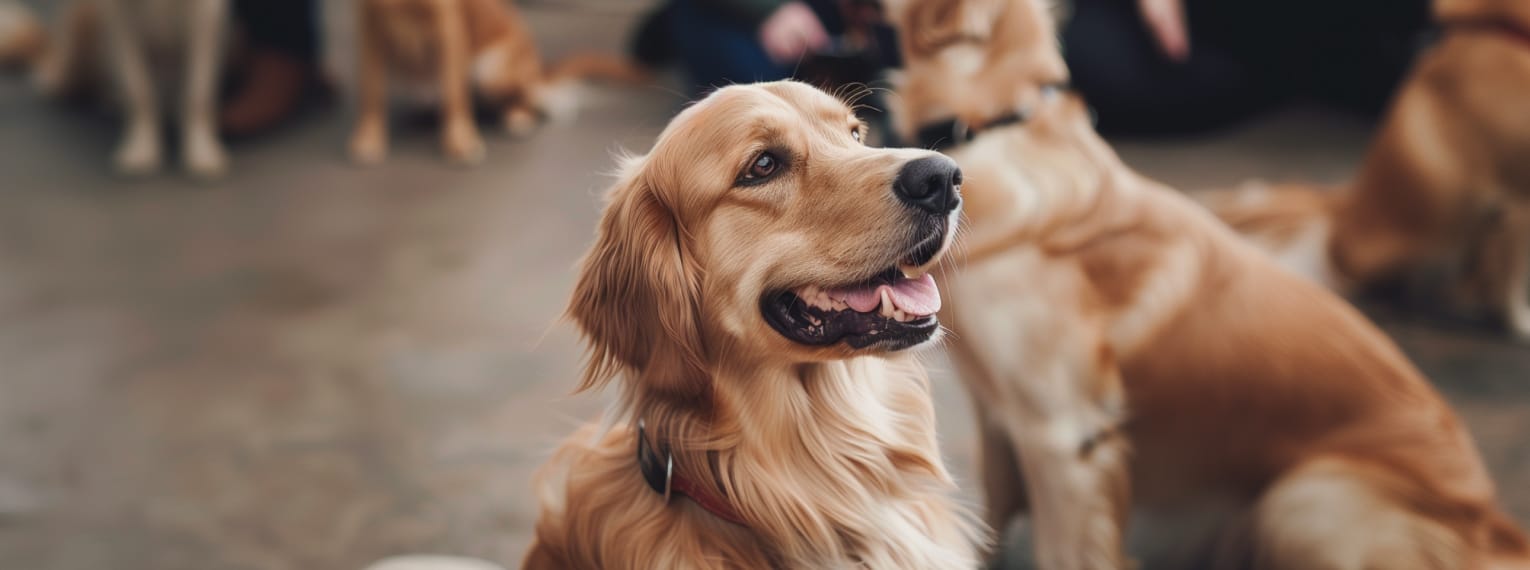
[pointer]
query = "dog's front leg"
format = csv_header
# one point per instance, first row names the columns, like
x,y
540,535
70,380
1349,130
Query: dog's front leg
x,y
459,134
369,139
202,153
1074,464
139,152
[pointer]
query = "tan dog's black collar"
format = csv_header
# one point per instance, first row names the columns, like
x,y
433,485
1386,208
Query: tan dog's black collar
x,y
658,468
949,133
953,132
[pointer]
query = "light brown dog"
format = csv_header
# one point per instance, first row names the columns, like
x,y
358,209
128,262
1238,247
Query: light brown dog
x,y
468,47
1446,185
1128,354
755,282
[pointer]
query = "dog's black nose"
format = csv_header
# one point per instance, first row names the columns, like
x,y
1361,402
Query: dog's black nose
x,y
930,184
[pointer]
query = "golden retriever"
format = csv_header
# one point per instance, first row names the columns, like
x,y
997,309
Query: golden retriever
x,y
468,48
756,282
1130,355
1446,186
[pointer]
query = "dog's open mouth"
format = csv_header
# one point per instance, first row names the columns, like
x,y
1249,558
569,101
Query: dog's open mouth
x,y
891,310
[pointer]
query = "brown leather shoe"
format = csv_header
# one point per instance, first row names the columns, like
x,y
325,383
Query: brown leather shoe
x,y
271,89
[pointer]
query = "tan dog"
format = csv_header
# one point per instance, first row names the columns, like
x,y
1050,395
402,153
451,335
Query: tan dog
x,y
467,48
1128,354
157,53
748,285
1445,186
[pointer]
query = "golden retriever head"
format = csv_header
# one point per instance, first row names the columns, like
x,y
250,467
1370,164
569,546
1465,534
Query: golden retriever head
x,y
973,60
760,230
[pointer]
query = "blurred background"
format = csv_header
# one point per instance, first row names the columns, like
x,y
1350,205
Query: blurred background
x,y
308,364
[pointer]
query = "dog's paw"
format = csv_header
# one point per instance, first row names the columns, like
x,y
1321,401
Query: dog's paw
x,y
203,157
520,122
139,154
1518,318
462,144
369,145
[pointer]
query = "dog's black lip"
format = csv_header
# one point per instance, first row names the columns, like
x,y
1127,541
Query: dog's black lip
x,y
793,318
926,250
788,315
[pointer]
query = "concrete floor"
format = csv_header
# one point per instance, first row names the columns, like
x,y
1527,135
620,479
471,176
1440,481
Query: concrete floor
x,y
311,365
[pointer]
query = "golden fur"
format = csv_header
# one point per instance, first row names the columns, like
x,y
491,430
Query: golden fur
x,y
1128,354
828,453
468,48
1445,185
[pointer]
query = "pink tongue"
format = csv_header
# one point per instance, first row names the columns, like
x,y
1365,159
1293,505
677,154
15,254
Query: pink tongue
x,y
913,296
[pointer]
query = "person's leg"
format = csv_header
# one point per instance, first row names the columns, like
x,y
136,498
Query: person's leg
x,y
715,52
1136,90
282,63
1351,53
1365,51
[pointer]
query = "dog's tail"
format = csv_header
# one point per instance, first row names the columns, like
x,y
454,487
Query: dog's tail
x,y
563,84
21,35
599,66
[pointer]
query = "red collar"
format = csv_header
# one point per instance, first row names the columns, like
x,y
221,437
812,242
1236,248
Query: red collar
x,y
1509,29
658,470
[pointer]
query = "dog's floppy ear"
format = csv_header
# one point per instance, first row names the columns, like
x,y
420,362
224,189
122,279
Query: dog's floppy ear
x,y
637,298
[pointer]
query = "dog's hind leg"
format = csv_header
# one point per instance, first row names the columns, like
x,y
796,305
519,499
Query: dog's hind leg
x,y
139,152
1334,514
1516,291
369,139
202,152
1498,272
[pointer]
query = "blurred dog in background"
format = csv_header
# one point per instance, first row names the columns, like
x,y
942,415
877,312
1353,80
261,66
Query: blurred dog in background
x,y
21,36
1130,356
1445,187
467,48
157,53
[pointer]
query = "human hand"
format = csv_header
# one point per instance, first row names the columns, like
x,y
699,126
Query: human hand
x,y
792,31
1165,20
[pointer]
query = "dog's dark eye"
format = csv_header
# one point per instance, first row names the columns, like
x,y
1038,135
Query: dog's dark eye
x,y
856,133
762,167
